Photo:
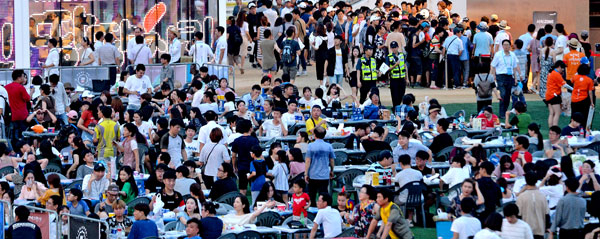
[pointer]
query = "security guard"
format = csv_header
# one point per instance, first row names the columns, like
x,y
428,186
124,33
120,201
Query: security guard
x,y
369,73
398,80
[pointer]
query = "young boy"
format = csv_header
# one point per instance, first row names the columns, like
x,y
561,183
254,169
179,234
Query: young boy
x,y
88,167
258,170
192,147
300,199
166,72
76,206
456,174
522,57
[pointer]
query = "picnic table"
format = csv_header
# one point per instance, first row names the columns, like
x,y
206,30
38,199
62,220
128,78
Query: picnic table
x,y
292,138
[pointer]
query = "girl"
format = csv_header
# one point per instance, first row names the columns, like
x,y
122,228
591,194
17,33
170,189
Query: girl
x,y
224,86
244,113
535,136
280,172
144,127
127,185
5,160
508,166
243,25
272,157
296,159
335,93
553,91
192,210
320,45
55,189
354,60
507,194
196,118
120,219
546,59
307,100
32,190
229,102
535,54
87,53
211,225
302,141
129,146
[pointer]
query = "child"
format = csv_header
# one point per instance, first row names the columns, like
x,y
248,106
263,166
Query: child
x,y
523,75
258,170
292,116
192,147
65,219
280,173
342,201
76,206
297,165
229,102
300,199
88,167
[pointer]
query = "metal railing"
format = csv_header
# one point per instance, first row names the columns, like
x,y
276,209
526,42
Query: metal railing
x,y
58,223
223,71
69,236
6,75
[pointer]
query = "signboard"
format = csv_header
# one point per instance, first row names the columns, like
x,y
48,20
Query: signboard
x,y
42,220
541,19
83,229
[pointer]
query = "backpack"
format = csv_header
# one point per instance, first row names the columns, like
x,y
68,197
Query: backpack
x,y
286,52
484,88
7,112
362,35
237,37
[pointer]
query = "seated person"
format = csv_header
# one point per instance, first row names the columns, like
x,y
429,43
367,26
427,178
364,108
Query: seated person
x,y
469,189
208,103
408,147
443,139
32,189
292,115
274,127
353,140
171,198
95,183
393,222
554,142
489,117
343,205
457,172
574,127
88,167
192,229
588,180
242,213
385,166
39,117
120,218
105,207
155,181
421,163
182,181
76,205
23,228
521,118
268,193
405,176
142,227
162,95
432,119
373,110
225,182
508,166
329,217
521,155
375,140
406,106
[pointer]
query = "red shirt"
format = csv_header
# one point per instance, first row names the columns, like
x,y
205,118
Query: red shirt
x,y
528,156
489,123
18,98
299,202
88,118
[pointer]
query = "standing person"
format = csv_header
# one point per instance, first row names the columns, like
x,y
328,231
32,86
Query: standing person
x,y
23,228
561,42
527,39
173,143
434,56
242,23
534,49
485,88
109,55
368,73
61,100
18,98
466,225
174,45
140,53
240,156
52,60
483,44
570,212
453,48
290,50
320,44
583,90
395,60
87,53
547,58
553,92
106,133
393,222
234,42
220,46
99,43
354,61
533,205
505,69
489,189
219,154
268,47
319,164
512,226
464,59
301,35
200,51
337,67
573,59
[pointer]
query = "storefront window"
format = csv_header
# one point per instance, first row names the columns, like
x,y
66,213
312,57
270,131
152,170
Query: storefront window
x,y
7,56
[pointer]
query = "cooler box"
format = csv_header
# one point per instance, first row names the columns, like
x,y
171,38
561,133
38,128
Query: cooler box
x,y
442,229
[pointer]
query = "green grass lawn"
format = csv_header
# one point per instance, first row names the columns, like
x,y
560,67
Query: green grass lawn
x,y
424,233
537,110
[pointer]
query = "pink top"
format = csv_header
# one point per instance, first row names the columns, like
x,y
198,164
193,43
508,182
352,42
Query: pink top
x,y
222,92
29,194
296,168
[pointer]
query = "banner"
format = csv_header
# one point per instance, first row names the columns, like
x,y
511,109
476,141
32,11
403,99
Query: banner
x,y
83,229
41,219
541,19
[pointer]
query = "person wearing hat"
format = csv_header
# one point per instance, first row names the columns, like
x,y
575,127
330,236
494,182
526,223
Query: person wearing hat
x,y
95,183
501,35
371,32
395,60
174,45
573,58
368,73
105,207
483,43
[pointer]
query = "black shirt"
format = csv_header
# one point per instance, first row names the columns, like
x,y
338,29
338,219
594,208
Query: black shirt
x,y
491,194
567,130
426,170
222,186
350,141
172,201
370,33
371,145
23,229
232,47
241,146
440,142
153,185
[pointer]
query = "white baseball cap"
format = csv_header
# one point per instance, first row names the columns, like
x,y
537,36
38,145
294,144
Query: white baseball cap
x,y
87,94
374,18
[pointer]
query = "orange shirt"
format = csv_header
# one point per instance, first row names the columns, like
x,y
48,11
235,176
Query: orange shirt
x,y
554,85
581,86
572,59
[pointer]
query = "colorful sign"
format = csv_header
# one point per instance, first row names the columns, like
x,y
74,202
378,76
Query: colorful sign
x,y
41,219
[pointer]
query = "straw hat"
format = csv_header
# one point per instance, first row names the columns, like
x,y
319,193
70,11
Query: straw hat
x,y
503,25
174,31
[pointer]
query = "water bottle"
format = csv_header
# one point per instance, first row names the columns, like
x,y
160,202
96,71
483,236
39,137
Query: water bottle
x,y
113,233
355,145
581,133
120,231
221,106
346,105
285,147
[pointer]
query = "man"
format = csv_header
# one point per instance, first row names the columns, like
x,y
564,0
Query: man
x,y
220,46
489,189
192,230
204,132
22,228
407,147
167,75
131,43
39,117
353,141
142,227
269,12
107,132
208,103
234,41
367,67
300,33
501,35
483,44
61,100
173,143
319,164
183,183
456,174
385,166
548,28
253,24
171,198
534,206
453,48
513,227
407,174
570,212
18,98
109,55
329,217
290,50
443,139
200,51
135,86
505,69
140,53
421,163
466,225
52,60
315,121
254,99
376,140
96,183
99,43
576,125
398,80
527,38
174,45
240,153
105,207
274,127
393,222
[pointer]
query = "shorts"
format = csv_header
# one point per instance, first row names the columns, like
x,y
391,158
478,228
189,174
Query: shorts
x,y
274,68
556,100
353,79
243,179
416,68
232,60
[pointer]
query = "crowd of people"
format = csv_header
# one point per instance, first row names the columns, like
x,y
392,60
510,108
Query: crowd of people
x,y
206,136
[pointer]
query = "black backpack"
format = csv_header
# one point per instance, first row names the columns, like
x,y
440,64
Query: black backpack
x,y
7,112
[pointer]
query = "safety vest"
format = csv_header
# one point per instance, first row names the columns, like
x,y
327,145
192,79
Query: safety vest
x,y
368,70
398,71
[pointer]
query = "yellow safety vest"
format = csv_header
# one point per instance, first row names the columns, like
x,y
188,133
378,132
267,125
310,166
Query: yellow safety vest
x,y
368,70
398,71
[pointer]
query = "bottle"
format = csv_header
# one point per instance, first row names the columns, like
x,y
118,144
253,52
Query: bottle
x,y
355,145
581,133
302,220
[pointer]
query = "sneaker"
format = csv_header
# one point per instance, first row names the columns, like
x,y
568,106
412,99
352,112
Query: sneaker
x,y
303,72
253,65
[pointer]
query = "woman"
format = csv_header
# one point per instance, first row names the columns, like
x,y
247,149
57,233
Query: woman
x,y
242,213
264,25
436,45
127,184
211,225
490,118
297,164
118,108
46,102
243,112
588,180
302,141
553,91
546,59
553,188
335,95
120,219
196,118
433,117
225,183
535,58
192,210
78,149
5,160
507,194
224,85
363,212
583,87
566,166
87,53
507,166
470,188
212,155
268,193
177,101
55,189
32,190
354,60
144,127
129,146
48,154
372,111
320,46
535,136
493,226
243,25
307,100
443,9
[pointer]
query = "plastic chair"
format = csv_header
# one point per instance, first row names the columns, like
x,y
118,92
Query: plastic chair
x,y
6,171
594,146
229,198
372,156
300,176
185,197
171,226
340,157
224,209
444,154
268,219
345,180
348,232
249,235
532,148
228,236
338,145
459,113
51,168
132,203
455,134
75,184
415,198
393,144
391,137
59,175
446,201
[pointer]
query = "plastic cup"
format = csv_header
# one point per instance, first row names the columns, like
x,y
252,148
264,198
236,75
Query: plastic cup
x,y
506,175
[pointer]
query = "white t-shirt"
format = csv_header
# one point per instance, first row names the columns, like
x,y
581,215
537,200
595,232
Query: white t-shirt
x,y
197,98
331,220
191,148
204,133
455,176
561,41
97,46
280,171
201,52
137,85
486,234
140,54
500,36
175,50
85,56
244,29
553,194
145,128
271,130
465,226
221,45
229,106
339,64
52,59
290,119
519,230
208,106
